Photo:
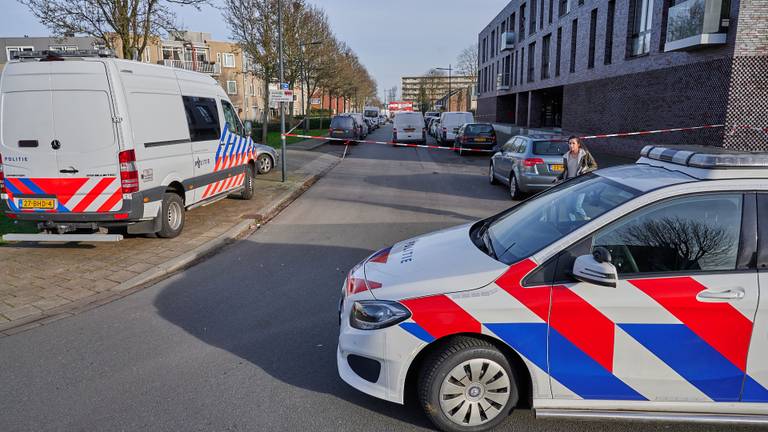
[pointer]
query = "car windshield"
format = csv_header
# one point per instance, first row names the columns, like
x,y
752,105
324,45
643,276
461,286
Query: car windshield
x,y
479,128
341,123
536,223
550,148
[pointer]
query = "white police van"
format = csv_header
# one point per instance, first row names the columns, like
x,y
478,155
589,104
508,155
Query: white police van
x,y
89,142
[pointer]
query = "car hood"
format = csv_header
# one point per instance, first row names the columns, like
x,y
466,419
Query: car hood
x,y
436,263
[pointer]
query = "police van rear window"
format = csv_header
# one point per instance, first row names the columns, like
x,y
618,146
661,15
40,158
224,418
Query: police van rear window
x,y
202,118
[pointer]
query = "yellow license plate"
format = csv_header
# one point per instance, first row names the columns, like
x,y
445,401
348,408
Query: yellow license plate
x,y
38,203
479,139
557,167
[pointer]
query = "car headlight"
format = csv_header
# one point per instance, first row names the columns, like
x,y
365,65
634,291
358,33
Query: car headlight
x,y
377,314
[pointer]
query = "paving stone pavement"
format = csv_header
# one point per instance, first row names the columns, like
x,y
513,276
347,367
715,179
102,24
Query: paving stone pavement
x,y
36,279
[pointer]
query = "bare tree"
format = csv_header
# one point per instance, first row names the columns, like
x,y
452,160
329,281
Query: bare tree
x,y
131,22
253,24
466,63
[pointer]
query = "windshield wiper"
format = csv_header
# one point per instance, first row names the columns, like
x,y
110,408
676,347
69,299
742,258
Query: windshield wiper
x,y
482,233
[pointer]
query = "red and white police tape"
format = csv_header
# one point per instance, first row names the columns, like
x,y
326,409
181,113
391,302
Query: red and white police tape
x,y
586,137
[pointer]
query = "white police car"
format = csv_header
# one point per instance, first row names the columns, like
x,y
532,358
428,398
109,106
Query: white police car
x,y
630,293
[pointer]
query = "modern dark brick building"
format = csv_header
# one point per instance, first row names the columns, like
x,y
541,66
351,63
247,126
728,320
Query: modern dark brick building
x,y
601,66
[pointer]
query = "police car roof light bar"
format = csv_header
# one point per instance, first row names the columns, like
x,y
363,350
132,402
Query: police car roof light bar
x,y
705,157
50,55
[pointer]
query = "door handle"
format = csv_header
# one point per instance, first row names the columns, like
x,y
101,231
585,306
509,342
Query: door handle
x,y
731,294
69,171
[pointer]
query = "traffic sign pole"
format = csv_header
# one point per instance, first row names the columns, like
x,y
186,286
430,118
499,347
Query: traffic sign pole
x,y
282,78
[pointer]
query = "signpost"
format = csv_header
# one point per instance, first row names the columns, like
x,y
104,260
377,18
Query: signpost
x,y
277,96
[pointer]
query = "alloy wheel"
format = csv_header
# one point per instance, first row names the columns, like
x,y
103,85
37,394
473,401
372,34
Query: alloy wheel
x,y
475,392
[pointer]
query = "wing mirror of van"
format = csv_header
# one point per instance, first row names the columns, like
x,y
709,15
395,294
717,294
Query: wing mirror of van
x,y
248,128
596,268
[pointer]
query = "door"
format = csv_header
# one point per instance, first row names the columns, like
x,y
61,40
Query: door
x,y
677,326
59,139
232,153
756,382
208,141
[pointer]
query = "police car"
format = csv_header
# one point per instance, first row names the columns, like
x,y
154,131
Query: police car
x,y
635,292
89,142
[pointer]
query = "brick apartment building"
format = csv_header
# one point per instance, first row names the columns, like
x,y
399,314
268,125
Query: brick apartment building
x,y
599,66
196,51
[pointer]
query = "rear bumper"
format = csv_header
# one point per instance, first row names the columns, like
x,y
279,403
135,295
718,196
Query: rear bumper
x,y
536,182
132,211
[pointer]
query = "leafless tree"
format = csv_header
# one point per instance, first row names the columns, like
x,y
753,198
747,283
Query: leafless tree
x,y
130,23
466,63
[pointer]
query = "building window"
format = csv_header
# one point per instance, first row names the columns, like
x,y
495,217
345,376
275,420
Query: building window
x,y
608,57
558,50
532,23
541,15
231,87
565,7
522,63
531,60
574,35
13,50
514,66
639,34
229,60
493,43
551,6
522,22
546,43
592,37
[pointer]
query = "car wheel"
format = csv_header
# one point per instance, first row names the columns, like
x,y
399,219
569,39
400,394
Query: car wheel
x,y
514,188
491,177
264,164
248,185
172,216
468,386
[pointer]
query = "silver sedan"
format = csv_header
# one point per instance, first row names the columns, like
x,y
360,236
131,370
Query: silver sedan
x,y
528,163
266,158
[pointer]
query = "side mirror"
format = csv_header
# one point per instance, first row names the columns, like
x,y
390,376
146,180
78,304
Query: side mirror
x,y
596,268
248,128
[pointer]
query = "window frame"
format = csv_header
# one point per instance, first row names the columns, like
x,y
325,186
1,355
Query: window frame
x,y
644,29
17,48
225,63
228,88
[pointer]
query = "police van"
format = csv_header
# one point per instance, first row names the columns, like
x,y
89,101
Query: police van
x,y
89,142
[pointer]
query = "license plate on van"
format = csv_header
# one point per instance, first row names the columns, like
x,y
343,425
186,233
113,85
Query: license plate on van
x,y
409,129
38,203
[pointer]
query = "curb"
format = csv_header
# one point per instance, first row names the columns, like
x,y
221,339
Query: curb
x,y
168,268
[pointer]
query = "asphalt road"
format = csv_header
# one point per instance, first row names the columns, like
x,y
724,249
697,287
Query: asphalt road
x,y
246,340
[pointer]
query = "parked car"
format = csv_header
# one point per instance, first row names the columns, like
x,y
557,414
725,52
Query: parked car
x,y
431,114
361,122
528,163
345,127
115,143
475,136
631,292
266,158
409,127
450,122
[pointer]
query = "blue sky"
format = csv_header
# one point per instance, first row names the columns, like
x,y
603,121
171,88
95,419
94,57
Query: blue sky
x,y
393,38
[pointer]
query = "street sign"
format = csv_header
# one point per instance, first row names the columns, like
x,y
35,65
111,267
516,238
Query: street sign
x,y
281,95
284,86
315,101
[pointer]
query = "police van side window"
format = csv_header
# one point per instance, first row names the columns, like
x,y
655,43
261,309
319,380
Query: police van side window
x,y
691,234
233,122
202,118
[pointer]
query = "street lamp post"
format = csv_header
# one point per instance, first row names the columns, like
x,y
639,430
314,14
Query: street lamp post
x,y
282,78
449,69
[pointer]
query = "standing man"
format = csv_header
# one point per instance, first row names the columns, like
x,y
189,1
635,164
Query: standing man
x,y
577,161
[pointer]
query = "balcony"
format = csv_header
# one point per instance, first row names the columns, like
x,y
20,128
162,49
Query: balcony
x,y
507,41
202,67
696,23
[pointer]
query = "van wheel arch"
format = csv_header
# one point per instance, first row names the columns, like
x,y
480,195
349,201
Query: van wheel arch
x,y
522,373
177,188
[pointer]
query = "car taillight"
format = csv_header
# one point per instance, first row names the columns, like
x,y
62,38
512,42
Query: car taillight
x,y
2,176
129,174
532,162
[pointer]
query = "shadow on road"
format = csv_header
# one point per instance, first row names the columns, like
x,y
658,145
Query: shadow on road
x,y
280,316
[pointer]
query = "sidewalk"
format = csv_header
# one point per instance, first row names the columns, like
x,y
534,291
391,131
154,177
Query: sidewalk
x,y
40,283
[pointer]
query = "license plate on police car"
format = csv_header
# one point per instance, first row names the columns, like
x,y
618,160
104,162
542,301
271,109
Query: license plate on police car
x,y
557,167
38,203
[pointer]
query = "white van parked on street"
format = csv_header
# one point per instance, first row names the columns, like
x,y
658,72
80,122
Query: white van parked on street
x,y
89,143
450,122
409,127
